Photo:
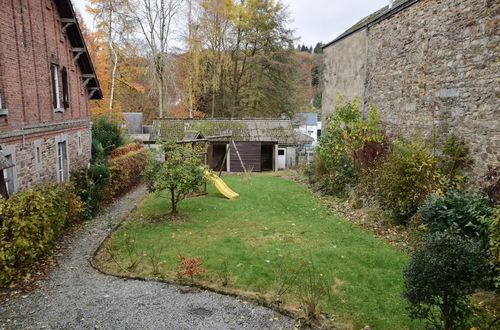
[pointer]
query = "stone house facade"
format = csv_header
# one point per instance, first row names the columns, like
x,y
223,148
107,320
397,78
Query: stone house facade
x,y
429,66
46,81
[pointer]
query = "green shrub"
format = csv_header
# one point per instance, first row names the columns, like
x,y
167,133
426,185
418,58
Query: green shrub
x,y
348,133
89,184
462,212
106,135
441,275
403,179
125,172
455,161
493,224
30,222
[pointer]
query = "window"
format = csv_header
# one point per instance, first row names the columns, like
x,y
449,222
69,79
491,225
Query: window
x,y
8,177
56,94
79,143
62,161
319,133
38,154
65,86
281,152
3,111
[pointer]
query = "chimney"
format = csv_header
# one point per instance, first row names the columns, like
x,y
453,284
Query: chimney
x,y
391,3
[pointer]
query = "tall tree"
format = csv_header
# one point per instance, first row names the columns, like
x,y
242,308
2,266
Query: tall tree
x,y
112,31
156,21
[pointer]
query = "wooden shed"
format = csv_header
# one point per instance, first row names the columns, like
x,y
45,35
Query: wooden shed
x,y
262,144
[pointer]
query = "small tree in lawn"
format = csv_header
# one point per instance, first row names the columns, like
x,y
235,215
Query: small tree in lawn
x,y
180,174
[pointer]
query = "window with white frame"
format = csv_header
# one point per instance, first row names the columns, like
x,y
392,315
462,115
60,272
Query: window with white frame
x,y
3,110
56,92
62,161
79,143
8,176
38,154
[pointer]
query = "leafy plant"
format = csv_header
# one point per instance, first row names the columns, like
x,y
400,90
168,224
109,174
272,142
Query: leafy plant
x,y
125,172
493,224
403,179
462,212
180,174
89,185
30,222
107,133
444,270
455,160
348,134
190,267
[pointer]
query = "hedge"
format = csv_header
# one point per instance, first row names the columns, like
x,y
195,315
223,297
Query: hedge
x,y
125,172
30,222
121,151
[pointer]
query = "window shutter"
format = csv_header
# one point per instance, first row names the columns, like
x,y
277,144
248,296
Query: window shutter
x,y
65,87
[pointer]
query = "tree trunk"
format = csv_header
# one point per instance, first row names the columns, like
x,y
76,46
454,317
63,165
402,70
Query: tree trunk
x,y
173,201
113,77
160,95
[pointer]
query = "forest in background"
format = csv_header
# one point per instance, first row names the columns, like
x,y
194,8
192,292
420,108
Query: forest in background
x,y
201,58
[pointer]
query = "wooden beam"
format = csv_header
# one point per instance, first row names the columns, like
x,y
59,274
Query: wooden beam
x,y
78,49
92,91
66,25
77,56
86,82
68,20
239,157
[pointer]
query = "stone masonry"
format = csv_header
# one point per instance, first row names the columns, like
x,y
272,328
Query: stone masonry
x,y
432,67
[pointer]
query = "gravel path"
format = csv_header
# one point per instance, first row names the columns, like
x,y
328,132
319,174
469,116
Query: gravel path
x,y
76,296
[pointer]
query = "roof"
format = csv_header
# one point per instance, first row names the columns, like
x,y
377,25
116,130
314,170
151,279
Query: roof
x,y
192,135
306,118
374,18
70,24
4,162
243,130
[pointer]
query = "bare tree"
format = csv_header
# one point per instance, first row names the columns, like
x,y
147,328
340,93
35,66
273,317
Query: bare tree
x,y
156,21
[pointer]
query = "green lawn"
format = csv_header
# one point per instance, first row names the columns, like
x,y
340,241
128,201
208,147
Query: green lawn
x,y
273,218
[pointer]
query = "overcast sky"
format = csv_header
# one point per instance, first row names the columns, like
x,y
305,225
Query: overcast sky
x,y
313,20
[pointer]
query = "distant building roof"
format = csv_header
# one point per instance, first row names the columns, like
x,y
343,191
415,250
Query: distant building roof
x,y
376,17
306,118
243,130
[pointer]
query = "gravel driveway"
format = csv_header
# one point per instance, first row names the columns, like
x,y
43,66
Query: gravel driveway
x,y
76,296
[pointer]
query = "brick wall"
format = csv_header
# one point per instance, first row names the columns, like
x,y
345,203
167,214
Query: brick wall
x,y
433,67
31,39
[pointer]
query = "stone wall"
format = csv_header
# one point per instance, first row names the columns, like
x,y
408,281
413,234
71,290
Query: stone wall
x,y
28,172
434,67
345,69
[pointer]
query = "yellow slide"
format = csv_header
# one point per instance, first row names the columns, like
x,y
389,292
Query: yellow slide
x,y
221,185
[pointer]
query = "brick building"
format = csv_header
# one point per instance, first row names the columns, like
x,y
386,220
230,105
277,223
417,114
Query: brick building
x,y
46,81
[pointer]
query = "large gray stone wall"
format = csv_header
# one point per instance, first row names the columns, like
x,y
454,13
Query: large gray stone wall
x,y
345,69
434,67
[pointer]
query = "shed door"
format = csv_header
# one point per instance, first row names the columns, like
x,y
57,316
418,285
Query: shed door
x,y
281,158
